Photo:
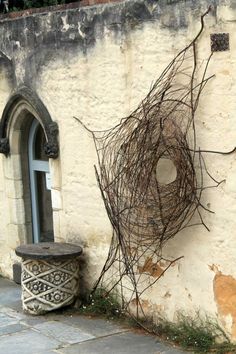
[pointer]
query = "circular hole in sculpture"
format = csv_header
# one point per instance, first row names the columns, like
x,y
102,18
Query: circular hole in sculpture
x,y
166,171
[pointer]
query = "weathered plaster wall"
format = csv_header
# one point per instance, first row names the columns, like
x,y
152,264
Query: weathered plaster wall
x,y
97,63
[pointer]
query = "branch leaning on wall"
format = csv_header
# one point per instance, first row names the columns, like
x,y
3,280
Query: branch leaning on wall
x,y
145,213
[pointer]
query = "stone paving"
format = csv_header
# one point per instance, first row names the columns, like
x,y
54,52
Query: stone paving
x,y
66,333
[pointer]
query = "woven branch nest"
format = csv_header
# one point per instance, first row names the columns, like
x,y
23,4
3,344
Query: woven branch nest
x,y
146,211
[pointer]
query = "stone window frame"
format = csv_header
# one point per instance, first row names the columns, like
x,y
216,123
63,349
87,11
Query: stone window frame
x,y
31,99
20,110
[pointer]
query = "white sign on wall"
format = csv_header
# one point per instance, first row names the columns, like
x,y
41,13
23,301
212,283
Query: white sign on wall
x,y
48,181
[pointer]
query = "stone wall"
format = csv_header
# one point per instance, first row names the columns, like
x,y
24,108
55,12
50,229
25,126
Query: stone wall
x,y
97,63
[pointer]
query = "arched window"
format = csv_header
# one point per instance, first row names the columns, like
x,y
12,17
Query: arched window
x,y
28,138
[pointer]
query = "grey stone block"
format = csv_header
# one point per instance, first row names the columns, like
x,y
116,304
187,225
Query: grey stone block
x,y
27,342
13,313
96,326
62,332
33,320
6,320
6,284
17,306
13,328
9,295
126,343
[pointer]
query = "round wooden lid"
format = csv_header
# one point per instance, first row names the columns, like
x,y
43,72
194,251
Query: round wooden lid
x,y
48,250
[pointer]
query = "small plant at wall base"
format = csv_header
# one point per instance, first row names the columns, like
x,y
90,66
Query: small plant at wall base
x,y
101,303
198,334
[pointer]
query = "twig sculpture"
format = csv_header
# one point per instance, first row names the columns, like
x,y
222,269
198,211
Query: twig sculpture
x,y
145,213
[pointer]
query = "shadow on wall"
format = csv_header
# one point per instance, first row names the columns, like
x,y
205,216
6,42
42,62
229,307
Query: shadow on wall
x,y
84,287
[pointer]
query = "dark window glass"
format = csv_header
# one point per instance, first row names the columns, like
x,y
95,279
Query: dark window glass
x,y
40,141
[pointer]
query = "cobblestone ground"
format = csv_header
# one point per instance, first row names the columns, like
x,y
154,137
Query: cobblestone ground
x,y
66,333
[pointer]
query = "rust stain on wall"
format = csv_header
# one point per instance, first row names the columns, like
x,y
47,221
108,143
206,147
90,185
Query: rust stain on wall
x,y
144,304
151,268
225,72
225,296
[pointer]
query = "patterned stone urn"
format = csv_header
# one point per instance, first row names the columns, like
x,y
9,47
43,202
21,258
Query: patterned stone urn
x,y
49,276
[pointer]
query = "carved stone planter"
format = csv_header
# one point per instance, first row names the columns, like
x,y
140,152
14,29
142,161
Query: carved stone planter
x,y
49,277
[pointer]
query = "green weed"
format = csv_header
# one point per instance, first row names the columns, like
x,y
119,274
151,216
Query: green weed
x,y
102,303
202,335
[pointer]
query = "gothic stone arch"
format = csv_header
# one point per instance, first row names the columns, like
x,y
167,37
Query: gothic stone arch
x,y
26,97
23,106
